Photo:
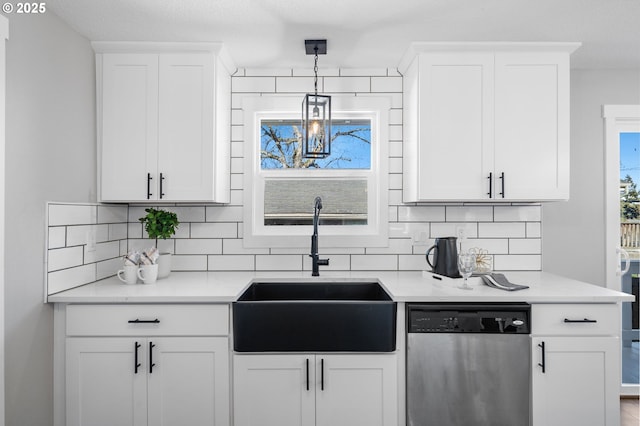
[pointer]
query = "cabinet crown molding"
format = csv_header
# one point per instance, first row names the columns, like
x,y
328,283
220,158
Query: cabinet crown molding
x,y
418,47
217,48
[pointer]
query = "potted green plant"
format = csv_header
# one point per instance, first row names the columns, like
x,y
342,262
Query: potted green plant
x,y
162,224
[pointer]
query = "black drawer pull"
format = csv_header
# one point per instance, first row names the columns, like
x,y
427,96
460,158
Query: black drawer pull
x,y
139,321
586,320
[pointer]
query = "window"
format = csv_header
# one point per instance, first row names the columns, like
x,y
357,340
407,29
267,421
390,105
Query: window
x,y
280,186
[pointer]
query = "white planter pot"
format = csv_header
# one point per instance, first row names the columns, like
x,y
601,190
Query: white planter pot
x,y
164,265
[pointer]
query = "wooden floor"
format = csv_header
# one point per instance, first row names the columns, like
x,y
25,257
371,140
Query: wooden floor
x,y
629,412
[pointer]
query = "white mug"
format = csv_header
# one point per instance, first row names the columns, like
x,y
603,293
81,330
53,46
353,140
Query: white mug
x,y
129,274
148,273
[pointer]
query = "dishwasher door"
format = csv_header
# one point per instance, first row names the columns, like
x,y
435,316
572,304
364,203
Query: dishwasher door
x,y
468,364
468,379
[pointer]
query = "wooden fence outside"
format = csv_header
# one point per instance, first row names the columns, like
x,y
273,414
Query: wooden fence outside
x,y
630,235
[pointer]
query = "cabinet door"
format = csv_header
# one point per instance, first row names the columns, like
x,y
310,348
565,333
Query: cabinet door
x,y
129,138
274,390
532,125
455,119
580,383
186,123
356,390
102,386
189,382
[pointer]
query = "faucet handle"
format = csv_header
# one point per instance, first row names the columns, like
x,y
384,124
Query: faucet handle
x,y
323,262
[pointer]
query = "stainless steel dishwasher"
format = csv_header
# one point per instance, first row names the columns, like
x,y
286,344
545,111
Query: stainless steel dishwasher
x,y
468,364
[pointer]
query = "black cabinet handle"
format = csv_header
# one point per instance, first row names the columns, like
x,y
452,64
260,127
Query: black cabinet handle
x,y
136,364
586,320
151,364
139,321
149,194
502,179
322,374
543,363
307,373
490,193
161,182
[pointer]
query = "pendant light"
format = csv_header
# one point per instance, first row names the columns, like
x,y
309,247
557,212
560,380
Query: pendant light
x,y
316,111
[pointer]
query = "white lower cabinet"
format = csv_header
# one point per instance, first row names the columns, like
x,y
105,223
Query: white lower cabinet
x,y
136,376
310,390
576,365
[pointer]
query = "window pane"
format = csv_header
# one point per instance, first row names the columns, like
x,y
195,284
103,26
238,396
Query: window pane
x,y
280,145
290,202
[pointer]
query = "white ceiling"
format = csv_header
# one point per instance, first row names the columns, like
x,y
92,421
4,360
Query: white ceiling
x,y
362,33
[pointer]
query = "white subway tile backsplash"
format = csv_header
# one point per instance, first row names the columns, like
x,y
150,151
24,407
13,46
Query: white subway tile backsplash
x,y
235,246
188,262
108,268
214,230
69,278
199,246
396,246
523,262
450,229
63,258
78,235
413,262
386,84
112,214
395,132
518,213
210,236
71,214
347,84
501,230
492,245
117,231
224,214
228,262
268,72
103,251
57,237
278,262
253,85
469,213
374,262
525,246
363,72
295,85
534,229
421,214
395,165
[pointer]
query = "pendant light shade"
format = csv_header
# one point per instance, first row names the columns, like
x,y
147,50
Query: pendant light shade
x,y
316,112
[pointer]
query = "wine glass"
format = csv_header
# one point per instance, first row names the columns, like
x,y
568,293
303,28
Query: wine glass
x,y
466,266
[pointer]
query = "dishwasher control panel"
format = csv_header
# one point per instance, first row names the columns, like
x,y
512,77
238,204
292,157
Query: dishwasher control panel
x,y
495,318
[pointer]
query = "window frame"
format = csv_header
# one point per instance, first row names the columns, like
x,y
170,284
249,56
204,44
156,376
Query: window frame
x,y
374,234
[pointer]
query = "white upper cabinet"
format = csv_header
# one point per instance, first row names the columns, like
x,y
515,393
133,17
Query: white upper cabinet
x,y
486,121
163,122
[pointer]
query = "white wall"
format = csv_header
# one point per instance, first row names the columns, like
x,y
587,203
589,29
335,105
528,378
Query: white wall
x,y
574,232
50,155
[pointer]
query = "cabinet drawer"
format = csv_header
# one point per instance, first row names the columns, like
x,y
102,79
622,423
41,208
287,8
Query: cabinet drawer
x,y
575,319
147,320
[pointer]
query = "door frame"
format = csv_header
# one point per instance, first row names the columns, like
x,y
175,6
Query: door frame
x,y
617,119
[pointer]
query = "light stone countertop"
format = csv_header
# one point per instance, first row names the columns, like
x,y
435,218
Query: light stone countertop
x,y
225,287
